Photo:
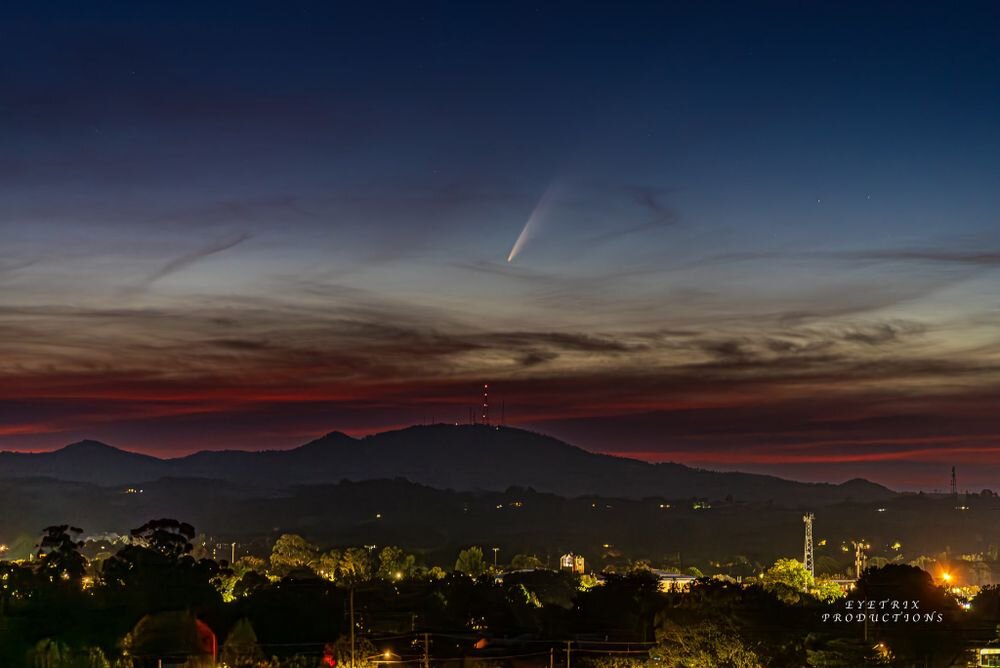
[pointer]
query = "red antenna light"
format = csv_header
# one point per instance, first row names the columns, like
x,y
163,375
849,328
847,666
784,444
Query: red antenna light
x,y
486,404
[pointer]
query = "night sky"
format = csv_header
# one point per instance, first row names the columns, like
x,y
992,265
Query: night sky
x,y
752,236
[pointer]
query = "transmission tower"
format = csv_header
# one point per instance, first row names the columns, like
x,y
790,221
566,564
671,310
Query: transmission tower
x,y
860,549
954,484
807,558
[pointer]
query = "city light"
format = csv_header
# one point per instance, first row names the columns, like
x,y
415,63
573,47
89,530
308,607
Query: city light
x,y
883,652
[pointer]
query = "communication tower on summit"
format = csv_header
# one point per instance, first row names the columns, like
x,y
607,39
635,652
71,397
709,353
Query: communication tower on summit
x,y
486,404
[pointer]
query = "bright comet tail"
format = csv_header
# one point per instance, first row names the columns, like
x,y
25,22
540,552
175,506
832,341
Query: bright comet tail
x,y
531,226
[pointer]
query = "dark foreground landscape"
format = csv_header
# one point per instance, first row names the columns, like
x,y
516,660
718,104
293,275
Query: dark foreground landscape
x,y
458,544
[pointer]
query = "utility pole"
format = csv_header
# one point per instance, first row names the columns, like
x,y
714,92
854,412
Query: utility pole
x,y
427,651
552,657
351,590
569,652
232,560
495,551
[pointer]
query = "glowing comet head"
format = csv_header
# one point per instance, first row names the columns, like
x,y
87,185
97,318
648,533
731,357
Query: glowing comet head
x,y
531,227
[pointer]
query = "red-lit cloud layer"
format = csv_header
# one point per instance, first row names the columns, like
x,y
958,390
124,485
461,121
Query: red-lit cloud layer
x,y
819,397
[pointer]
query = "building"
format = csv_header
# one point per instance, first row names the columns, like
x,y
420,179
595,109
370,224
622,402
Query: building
x,y
572,562
987,657
673,581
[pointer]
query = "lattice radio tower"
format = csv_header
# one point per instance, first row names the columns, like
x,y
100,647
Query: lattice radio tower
x,y
807,557
954,484
860,556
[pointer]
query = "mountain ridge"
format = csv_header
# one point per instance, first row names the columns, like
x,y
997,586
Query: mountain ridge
x,y
465,457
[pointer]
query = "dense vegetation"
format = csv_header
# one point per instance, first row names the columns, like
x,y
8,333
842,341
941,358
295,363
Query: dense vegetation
x,y
293,609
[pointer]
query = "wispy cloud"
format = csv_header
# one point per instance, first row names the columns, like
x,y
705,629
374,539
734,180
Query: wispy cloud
x,y
985,258
659,214
989,258
185,260
11,265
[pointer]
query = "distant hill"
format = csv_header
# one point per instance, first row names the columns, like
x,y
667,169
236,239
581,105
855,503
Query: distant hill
x,y
465,458
86,461
437,523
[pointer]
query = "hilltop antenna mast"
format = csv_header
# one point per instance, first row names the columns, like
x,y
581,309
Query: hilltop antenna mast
x,y
486,404
807,557
954,484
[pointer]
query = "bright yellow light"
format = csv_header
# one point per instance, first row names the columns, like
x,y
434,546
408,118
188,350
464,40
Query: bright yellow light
x,y
946,577
387,654
882,650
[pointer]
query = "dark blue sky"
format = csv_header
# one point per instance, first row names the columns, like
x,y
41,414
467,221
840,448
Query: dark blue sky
x,y
242,224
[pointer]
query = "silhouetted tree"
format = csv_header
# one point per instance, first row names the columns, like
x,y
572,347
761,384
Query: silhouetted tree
x,y
292,552
470,561
355,567
703,644
919,641
59,554
241,649
395,564
838,652
170,538
525,561
248,584
156,572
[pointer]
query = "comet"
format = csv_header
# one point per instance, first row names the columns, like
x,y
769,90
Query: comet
x,y
531,226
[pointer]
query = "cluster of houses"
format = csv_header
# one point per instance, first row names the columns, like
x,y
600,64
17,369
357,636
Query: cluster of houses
x,y
669,581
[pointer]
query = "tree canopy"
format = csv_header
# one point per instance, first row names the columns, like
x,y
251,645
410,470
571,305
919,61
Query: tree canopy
x,y
471,562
